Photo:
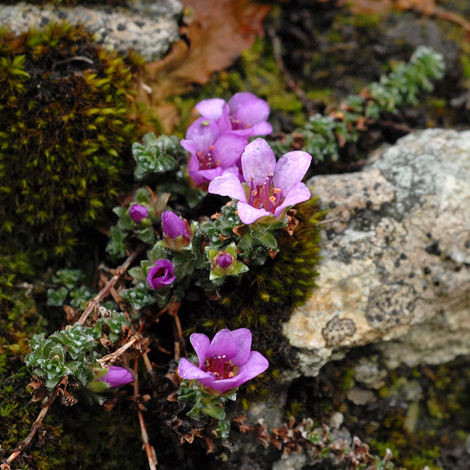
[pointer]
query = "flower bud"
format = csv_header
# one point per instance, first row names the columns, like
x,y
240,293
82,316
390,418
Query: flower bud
x,y
176,231
138,213
224,262
113,377
161,275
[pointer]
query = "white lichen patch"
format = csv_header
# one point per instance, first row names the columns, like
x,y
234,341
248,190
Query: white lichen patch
x,y
149,28
396,260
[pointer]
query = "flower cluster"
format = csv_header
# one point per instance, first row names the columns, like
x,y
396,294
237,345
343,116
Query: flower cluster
x,y
216,140
203,253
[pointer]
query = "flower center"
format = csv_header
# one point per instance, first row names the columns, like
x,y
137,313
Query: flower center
x,y
219,367
207,162
265,196
161,272
237,124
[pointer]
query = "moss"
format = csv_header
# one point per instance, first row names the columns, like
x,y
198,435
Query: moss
x,y
67,108
19,319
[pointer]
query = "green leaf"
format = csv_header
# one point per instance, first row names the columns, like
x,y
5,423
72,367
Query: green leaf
x,y
116,244
266,238
156,155
214,411
147,235
69,277
246,242
138,296
56,298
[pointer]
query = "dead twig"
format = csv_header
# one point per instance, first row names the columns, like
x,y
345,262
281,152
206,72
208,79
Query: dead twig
x,y
149,449
180,343
105,361
287,77
111,283
37,424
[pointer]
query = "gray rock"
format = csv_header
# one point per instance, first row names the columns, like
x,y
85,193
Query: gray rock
x,y
149,28
294,461
396,257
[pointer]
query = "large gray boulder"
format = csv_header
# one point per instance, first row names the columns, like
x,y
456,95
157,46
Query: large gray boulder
x,y
396,258
147,27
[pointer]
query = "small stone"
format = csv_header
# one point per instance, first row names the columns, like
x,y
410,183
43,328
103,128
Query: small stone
x,y
361,396
336,420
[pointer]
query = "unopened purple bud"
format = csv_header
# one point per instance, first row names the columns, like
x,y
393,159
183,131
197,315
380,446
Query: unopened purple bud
x,y
117,376
162,274
173,226
138,213
224,260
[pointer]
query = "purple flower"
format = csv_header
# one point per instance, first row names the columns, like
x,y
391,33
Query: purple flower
x,y
245,114
211,153
225,362
117,376
162,274
138,213
271,188
176,231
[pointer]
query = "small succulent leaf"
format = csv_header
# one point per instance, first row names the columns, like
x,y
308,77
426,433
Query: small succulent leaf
x,y
56,297
138,297
147,235
69,277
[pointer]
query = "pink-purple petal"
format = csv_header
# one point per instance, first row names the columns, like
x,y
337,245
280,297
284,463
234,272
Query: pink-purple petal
x,y
189,145
249,214
228,185
242,338
189,371
251,113
220,386
258,161
255,365
290,169
228,149
222,344
262,128
204,132
240,99
224,120
193,170
209,175
211,108
298,193
200,344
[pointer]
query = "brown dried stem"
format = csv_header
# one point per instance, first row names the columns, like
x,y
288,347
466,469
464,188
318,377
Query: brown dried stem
x,y
149,449
37,424
277,50
111,358
111,283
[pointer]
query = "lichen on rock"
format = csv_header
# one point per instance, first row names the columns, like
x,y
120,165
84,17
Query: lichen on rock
x,y
395,257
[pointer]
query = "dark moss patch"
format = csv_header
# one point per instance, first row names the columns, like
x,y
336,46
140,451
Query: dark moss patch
x,y
65,144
